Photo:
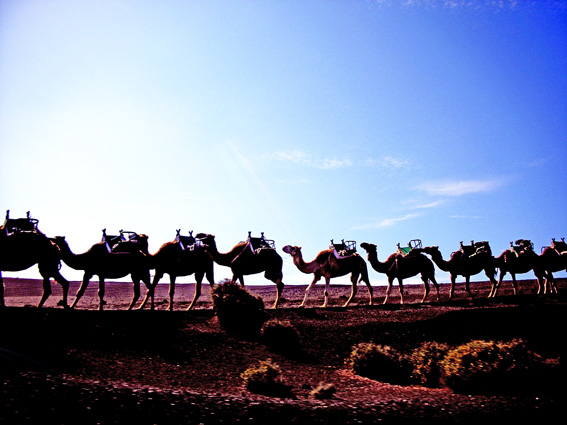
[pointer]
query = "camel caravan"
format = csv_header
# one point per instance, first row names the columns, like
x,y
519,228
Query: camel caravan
x,y
23,245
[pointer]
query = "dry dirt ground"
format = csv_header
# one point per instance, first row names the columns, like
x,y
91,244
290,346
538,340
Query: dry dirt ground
x,y
151,367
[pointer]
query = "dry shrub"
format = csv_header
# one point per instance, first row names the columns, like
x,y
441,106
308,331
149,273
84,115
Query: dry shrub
x,y
238,311
280,336
495,367
380,362
265,379
323,391
426,363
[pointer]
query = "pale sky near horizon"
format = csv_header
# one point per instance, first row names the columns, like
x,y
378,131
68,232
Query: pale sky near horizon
x,y
374,121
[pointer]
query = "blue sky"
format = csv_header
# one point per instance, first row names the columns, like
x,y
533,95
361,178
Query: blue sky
x,y
376,121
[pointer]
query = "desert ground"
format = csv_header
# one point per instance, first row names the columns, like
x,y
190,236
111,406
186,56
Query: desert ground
x,y
151,367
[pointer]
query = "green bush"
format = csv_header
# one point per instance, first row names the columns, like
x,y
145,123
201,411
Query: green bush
x,y
492,367
265,379
426,363
379,362
323,391
238,311
280,336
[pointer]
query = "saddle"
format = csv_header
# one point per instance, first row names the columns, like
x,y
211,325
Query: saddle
x,y
20,225
258,244
188,242
125,242
413,248
344,249
521,246
475,248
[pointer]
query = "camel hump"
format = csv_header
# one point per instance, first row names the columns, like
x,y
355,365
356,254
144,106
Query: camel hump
x,y
20,225
476,248
344,249
126,241
189,242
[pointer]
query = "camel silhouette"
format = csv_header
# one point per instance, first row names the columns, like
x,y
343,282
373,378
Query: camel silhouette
x,y
326,264
553,259
399,266
100,261
183,256
518,259
246,258
468,261
22,245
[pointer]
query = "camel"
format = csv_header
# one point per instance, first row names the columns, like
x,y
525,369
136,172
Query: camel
x,y
517,260
22,245
247,258
181,257
326,264
98,260
466,262
553,259
399,266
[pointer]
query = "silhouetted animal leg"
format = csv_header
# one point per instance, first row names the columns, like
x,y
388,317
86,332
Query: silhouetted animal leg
x,y
326,293
2,303
199,281
453,282
425,288
494,289
149,289
388,289
136,282
86,278
468,286
101,291
432,278
46,291
279,290
514,283
308,289
401,287
354,289
65,286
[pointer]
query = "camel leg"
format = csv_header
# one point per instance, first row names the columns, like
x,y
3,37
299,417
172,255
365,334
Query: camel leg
x,y
2,302
425,281
308,289
370,290
432,278
46,291
65,286
453,282
86,278
149,289
353,291
494,289
199,281
150,294
326,293
468,286
401,288
101,292
388,289
136,282
279,290
514,283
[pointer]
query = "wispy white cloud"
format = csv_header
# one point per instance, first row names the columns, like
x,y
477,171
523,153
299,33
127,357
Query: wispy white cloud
x,y
303,158
387,162
420,205
459,188
386,222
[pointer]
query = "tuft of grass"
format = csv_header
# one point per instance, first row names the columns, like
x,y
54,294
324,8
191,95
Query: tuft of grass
x,y
264,378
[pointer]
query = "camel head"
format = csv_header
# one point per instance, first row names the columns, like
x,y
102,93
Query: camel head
x,y
292,250
430,250
560,246
368,247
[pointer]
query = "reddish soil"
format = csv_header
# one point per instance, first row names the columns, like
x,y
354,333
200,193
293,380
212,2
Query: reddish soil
x,y
86,366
